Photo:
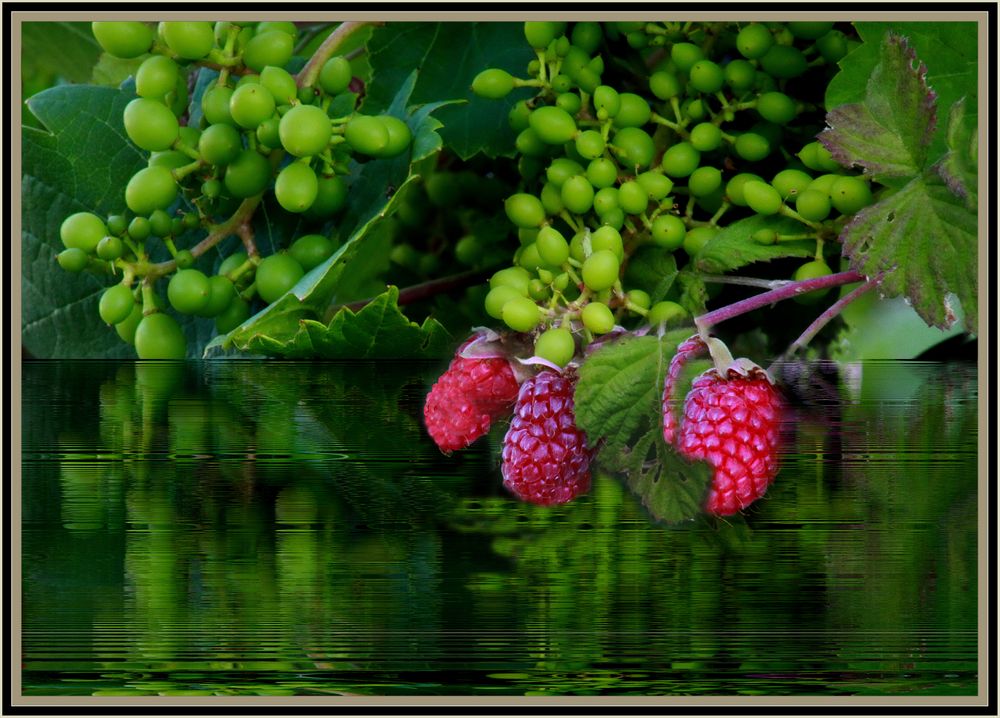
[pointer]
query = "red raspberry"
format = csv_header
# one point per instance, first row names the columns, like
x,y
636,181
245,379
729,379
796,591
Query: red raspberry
x,y
545,455
467,399
734,424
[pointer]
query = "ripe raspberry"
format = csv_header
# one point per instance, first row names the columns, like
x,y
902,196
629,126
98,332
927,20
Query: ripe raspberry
x,y
545,455
467,399
734,424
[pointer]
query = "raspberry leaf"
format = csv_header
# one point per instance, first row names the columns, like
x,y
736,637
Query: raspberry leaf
x,y
734,247
671,488
959,166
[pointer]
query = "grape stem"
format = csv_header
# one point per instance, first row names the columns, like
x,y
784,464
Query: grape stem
x,y
823,319
792,289
310,71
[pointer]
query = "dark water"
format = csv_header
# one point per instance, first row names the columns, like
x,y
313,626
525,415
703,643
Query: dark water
x,y
248,528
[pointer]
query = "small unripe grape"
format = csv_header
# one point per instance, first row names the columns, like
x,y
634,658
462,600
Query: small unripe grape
x,y
820,156
665,85
123,39
707,77
668,231
791,182
211,188
685,55
160,223
540,34
639,298
267,132
602,172
234,315
285,26
521,314
809,30
268,48
561,83
365,134
761,197
232,262
331,196
188,291
528,257
776,107
150,189
634,111
784,62
168,159
587,36
706,137
247,175
117,224
73,259
577,194
695,109
704,180
159,336
561,170
83,231
276,275
765,236
335,76
656,184
150,124
280,84
184,259
613,218
606,200
251,104
295,187
497,297
514,277
215,105
632,197
833,46
551,199
221,293
635,146
824,183
569,102
399,136
311,250
752,147
220,144
696,238
109,249
590,144
190,40
493,84
598,318
812,270
156,76
813,205
552,246
518,116
740,76
525,210
606,99
600,270
552,125
850,194
680,160
734,188
116,304
754,40
666,312
607,238
556,345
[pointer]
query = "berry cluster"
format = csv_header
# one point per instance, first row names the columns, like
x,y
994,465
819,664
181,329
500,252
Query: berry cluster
x,y
262,130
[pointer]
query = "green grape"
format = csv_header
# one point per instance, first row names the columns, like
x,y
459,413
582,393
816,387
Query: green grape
x,y
540,34
634,111
784,62
232,262
83,231
150,124
268,133
809,30
569,102
126,328
109,249
850,194
518,116
696,238
574,62
188,291
606,200
268,48
694,109
600,270
607,238
215,105
366,134
529,258
734,188
813,205
251,104
824,183
587,36
552,247
740,76
637,40
602,172
791,182
754,40
685,55
520,314
607,101
597,318
514,277
561,84
590,144
159,336
765,236
706,76
247,175
117,224
497,297
211,188
639,298
776,107
399,136
280,25
680,160
577,194
634,146
469,250
331,197
220,144
538,291
665,85
822,160
632,197
184,259
235,314
752,147
221,293
169,159
160,223
296,187
276,275
190,40
812,270
832,46
156,76
150,189
706,137
126,40
656,184
176,226
116,304
311,250
704,180
668,231
666,313
525,210
335,75
551,198
73,259
613,218
761,197
493,84
280,84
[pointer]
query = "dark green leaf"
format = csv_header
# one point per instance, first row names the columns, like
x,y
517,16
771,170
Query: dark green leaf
x,y
693,293
733,247
446,69
960,166
671,488
65,49
653,270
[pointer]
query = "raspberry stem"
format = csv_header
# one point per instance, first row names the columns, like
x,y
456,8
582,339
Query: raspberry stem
x,y
823,319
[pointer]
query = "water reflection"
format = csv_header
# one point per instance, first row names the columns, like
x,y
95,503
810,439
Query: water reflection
x,y
242,528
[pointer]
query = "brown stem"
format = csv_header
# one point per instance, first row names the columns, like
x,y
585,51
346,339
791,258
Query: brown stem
x,y
307,75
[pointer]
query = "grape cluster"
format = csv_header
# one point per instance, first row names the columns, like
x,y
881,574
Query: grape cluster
x,y
691,127
262,130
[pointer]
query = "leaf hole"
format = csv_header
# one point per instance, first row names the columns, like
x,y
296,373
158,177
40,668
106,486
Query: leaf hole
x,y
890,217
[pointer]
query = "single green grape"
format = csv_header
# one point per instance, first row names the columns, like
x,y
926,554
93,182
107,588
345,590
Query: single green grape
x,y
556,345
791,182
221,293
331,197
311,250
833,46
126,40
280,84
665,85
296,187
776,107
761,197
765,236
247,175
740,76
577,194
184,259
232,316
685,55
734,188
656,184
552,246
150,189
159,336
276,275
706,76
639,298
220,144
551,198
607,238
668,231
156,76
561,169
666,313
850,194
82,230
634,146
285,26
190,40
590,144
632,197
600,270
706,137
525,210
399,136
521,314
150,124
160,223
598,318
812,270
696,238
169,159
305,130
366,134
754,40
232,262
515,277
251,104
188,291
109,249
607,101
602,172
704,180
268,48
215,105
335,75
813,205
493,84
634,111
126,328
73,259
606,200
497,297
752,147
569,102
540,34
680,160
784,62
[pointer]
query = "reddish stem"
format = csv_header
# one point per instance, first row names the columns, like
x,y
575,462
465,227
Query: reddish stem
x,y
823,319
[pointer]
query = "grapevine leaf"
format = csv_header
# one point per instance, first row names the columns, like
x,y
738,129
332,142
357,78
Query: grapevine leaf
x,y
617,404
446,70
734,247
64,49
925,241
887,134
79,163
959,166
652,269
113,71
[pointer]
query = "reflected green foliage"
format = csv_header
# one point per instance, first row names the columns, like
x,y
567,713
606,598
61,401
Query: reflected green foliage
x,y
243,528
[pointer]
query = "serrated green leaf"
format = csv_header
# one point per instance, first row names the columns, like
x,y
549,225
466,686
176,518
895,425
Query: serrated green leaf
x,y
653,270
693,293
924,239
671,488
959,166
887,134
447,69
733,247
65,49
